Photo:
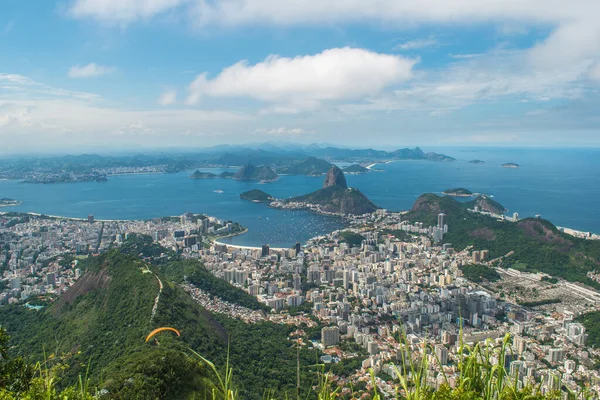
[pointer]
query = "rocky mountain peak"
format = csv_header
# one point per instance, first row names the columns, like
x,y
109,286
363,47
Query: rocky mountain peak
x,y
335,177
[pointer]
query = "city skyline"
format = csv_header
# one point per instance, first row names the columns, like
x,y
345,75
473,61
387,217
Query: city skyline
x,y
90,75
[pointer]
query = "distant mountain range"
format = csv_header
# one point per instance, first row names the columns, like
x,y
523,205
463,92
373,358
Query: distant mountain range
x,y
287,159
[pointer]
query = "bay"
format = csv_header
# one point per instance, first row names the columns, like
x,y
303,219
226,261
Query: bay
x,y
563,185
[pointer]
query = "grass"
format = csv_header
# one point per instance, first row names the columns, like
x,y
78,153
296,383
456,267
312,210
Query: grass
x,y
482,376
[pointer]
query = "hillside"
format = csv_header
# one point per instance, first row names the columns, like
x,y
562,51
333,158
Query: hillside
x,y
310,166
104,318
250,172
257,196
337,197
485,203
537,244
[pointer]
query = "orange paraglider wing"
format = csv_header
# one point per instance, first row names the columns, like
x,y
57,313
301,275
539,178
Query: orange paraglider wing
x,y
165,328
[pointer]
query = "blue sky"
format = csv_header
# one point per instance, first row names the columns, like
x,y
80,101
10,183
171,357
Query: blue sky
x,y
104,74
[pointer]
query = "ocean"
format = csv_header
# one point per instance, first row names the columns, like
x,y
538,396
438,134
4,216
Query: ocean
x,y
562,185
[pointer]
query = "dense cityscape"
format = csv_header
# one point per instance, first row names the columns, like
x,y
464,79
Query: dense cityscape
x,y
385,285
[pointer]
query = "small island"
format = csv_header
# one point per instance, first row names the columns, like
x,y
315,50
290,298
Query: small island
x,y
355,169
247,172
476,162
510,165
5,202
458,192
257,196
203,175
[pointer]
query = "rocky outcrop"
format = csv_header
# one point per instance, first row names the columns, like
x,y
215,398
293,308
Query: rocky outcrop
x,y
335,177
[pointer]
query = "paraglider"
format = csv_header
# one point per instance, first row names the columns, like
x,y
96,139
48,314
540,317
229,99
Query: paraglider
x,y
165,328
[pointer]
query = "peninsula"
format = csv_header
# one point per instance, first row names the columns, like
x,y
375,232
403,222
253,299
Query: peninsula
x,y
334,198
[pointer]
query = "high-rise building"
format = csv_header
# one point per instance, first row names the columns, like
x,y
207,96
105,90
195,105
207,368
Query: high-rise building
x,y
441,220
520,344
91,219
330,336
516,216
265,250
297,282
476,257
372,348
15,283
556,355
441,354
51,279
298,248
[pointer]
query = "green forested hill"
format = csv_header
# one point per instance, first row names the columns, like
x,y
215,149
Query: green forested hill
x,y
537,244
102,322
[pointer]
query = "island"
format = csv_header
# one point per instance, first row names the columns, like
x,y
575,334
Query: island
x,y
355,169
203,175
5,202
257,196
334,198
510,165
476,162
458,192
250,172
247,172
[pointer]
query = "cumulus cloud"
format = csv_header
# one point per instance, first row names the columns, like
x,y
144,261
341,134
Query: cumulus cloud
x,y
89,70
417,44
168,97
305,81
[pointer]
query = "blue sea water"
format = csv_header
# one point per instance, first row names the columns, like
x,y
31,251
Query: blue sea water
x,y
561,185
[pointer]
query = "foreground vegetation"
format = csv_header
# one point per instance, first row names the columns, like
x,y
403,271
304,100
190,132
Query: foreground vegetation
x,y
480,379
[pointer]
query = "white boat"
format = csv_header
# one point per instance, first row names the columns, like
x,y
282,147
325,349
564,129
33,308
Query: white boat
x,y
219,191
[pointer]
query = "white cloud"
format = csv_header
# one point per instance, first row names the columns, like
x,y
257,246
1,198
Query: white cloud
x,y
24,86
168,97
304,82
500,75
570,43
235,12
122,10
20,117
89,70
417,44
283,131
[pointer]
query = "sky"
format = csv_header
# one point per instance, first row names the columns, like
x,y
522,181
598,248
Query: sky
x,y
86,75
